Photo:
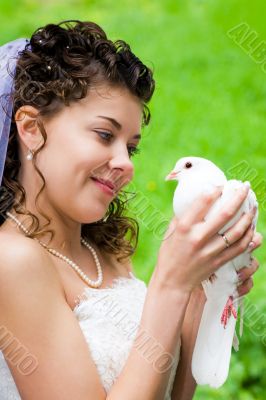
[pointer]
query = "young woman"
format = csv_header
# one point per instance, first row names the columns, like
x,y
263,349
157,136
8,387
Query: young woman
x,y
75,323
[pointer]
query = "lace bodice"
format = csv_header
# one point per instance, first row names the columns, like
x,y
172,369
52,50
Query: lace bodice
x,y
109,319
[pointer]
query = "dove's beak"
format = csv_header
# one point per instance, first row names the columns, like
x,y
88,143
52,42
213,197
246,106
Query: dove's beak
x,y
170,177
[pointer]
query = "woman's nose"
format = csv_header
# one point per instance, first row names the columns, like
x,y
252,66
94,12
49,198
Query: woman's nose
x,y
123,163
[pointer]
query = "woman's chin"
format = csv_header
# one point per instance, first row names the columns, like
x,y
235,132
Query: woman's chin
x,y
92,215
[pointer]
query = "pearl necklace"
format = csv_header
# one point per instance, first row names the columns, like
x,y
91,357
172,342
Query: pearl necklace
x,y
97,283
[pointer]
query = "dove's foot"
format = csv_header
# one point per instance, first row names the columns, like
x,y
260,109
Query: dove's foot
x,y
229,309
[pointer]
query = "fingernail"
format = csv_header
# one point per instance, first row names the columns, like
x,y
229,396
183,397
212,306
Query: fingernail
x,y
251,246
247,184
243,188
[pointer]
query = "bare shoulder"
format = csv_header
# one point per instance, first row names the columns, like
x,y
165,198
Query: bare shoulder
x,y
15,243
22,258
34,312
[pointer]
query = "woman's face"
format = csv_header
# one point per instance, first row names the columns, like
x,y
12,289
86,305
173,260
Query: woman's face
x,y
93,137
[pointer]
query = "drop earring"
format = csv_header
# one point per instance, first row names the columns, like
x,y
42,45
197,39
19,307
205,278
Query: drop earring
x,y
29,156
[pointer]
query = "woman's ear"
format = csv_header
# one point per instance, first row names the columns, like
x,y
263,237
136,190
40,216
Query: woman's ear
x,y
28,130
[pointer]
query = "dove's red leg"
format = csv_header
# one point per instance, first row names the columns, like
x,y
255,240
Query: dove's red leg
x,y
228,310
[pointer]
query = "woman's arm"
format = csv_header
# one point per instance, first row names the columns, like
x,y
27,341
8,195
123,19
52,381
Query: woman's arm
x,y
147,370
184,384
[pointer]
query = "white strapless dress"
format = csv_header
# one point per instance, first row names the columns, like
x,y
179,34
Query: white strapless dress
x,y
109,319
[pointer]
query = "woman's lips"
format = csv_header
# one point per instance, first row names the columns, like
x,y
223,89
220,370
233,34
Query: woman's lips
x,y
105,188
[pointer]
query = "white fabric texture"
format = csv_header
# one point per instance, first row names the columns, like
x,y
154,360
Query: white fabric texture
x,y
8,389
109,319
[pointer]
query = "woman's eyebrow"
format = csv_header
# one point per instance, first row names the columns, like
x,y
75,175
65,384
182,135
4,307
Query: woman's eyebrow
x,y
117,125
112,120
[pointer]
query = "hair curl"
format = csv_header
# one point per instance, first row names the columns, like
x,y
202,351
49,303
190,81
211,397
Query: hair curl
x,y
79,56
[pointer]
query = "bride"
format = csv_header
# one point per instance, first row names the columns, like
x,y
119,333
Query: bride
x,y
75,322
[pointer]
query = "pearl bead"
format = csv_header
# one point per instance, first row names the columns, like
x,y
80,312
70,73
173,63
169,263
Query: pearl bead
x,y
97,283
29,156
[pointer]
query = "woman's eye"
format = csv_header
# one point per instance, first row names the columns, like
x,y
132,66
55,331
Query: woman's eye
x,y
133,150
105,135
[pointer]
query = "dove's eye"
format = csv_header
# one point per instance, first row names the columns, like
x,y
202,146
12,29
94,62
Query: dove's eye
x,y
188,165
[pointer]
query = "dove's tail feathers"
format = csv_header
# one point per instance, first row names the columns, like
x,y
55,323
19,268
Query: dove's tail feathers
x,y
212,351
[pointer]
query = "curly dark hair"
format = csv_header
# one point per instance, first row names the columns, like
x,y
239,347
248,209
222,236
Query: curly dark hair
x,y
79,56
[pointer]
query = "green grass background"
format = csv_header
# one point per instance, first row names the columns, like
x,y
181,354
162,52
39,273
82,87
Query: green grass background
x,y
210,101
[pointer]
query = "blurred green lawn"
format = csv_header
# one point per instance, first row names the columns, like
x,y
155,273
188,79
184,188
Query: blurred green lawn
x,y
210,101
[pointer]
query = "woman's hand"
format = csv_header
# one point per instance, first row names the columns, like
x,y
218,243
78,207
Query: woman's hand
x,y
245,273
192,249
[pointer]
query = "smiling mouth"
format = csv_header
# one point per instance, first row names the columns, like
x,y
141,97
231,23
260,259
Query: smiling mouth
x,y
115,182
107,187
104,182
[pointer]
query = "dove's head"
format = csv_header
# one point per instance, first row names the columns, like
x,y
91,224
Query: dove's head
x,y
187,166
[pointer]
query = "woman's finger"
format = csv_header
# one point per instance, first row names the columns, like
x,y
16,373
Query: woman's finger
x,y
217,222
231,252
246,272
201,206
256,240
236,232
232,235
245,287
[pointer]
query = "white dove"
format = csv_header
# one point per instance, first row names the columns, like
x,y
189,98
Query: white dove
x,y
212,351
